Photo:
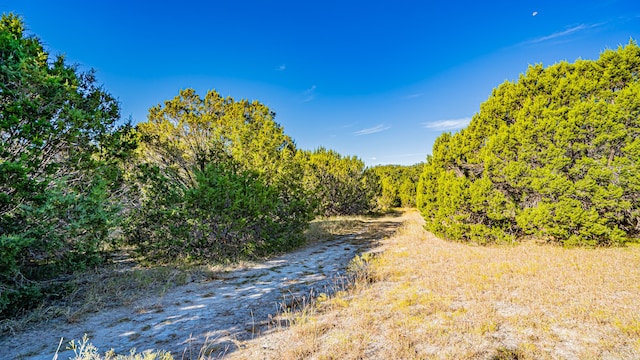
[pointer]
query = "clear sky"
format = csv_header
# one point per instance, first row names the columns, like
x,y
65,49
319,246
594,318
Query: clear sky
x,y
376,79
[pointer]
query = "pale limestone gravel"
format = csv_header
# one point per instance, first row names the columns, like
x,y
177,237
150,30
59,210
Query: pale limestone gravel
x,y
237,305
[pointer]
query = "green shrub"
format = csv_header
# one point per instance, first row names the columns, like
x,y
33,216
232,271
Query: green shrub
x,y
58,172
554,155
227,215
398,185
337,184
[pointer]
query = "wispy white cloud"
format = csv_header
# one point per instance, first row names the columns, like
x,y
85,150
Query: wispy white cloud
x,y
564,33
372,130
414,96
535,13
309,94
310,90
447,124
282,67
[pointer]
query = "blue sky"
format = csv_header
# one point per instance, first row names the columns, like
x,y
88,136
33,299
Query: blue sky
x,y
376,79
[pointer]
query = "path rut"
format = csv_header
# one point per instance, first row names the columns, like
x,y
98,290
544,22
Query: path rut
x,y
236,305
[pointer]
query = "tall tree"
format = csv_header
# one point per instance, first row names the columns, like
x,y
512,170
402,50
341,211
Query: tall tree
x,y
219,181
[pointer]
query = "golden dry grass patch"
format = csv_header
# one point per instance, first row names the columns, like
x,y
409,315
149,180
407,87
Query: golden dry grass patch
x,y
429,298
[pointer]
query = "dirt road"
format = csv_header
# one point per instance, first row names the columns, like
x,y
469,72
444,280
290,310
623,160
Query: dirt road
x,y
235,305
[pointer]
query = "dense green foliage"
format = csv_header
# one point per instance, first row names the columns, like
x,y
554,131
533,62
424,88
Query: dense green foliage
x,y
218,180
59,155
398,185
555,155
338,185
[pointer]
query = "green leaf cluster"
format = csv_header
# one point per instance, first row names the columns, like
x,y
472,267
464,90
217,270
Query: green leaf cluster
x,y
218,180
337,184
59,167
554,155
398,185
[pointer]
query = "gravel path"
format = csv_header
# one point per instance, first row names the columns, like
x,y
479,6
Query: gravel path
x,y
235,305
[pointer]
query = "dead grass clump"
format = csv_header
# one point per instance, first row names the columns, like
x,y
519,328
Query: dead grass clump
x,y
329,228
507,354
431,298
367,227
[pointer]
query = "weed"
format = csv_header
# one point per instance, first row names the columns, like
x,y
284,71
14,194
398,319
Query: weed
x,y
507,354
85,350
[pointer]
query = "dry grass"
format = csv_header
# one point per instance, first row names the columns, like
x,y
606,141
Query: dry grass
x,y
325,229
428,298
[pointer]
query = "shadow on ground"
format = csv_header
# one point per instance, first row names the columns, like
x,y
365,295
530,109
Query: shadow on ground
x,y
208,317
